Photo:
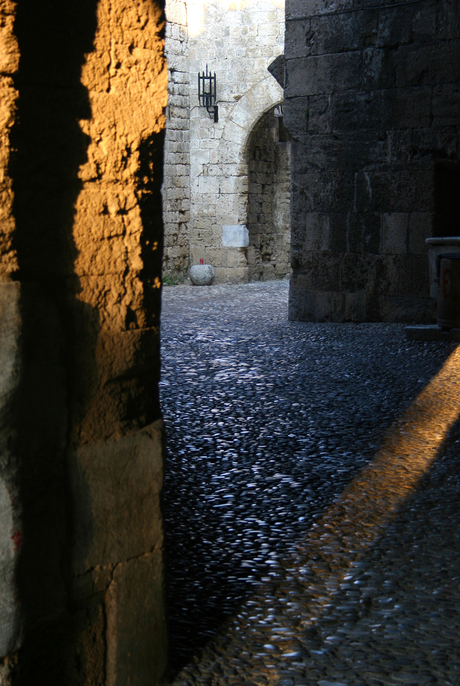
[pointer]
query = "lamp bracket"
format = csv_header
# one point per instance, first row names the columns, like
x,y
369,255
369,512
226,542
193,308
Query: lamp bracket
x,y
207,93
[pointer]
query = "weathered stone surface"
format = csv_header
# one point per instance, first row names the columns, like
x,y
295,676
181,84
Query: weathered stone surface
x,y
137,640
269,199
238,44
370,93
80,259
116,487
10,527
235,236
176,199
202,274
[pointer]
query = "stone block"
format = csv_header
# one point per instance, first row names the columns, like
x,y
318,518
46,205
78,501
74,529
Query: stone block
x,y
363,232
402,309
136,623
354,307
325,271
242,118
234,184
379,110
176,12
413,278
116,487
235,236
316,232
202,237
395,25
338,223
197,253
208,184
427,142
420,228
236,275
216,256
299,9
221,275
379,68
315,75
236,257
322,191
309,306
319,113
297,42
345,152
394,239
386,276
357,272
447,20
446,104
341,32
428,65
405,190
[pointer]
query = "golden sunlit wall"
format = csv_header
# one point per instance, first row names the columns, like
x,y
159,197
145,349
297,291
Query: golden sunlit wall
x,y
84,87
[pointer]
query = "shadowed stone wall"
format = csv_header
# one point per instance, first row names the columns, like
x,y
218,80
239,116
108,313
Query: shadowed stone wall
x,y
269,228
83,88
372,104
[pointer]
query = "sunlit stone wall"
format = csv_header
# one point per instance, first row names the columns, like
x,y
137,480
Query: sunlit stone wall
x,y
176,185
84,87
237,40
206,170
372,102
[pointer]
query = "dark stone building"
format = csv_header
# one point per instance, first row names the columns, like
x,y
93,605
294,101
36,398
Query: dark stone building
x,y
372,105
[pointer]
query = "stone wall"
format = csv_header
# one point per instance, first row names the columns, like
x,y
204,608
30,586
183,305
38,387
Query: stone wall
x,y
81,128
237,42
176,186
269,227
372,101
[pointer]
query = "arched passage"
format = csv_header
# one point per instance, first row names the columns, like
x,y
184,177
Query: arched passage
x,y
268,222
219,187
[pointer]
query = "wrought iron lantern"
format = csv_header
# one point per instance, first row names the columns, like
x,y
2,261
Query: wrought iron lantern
x,y
207,93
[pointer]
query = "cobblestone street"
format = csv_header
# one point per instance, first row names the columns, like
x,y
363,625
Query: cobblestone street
x,y
312,496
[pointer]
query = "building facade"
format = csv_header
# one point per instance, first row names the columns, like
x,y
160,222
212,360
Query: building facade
x,y
372,105
208,179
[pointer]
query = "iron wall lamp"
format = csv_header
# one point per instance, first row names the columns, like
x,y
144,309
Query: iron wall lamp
x,y
207,93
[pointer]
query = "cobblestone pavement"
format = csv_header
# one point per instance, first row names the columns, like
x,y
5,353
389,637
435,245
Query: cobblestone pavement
x,y
312,496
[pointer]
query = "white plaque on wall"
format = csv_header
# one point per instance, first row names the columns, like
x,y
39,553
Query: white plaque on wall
x,y
235,236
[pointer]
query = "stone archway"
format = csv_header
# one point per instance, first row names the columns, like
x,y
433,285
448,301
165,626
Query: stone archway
x,y
268,157
227,178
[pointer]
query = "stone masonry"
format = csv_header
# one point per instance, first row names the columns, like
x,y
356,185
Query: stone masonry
x,y
176,185
269,226
83,91
372,104
238,43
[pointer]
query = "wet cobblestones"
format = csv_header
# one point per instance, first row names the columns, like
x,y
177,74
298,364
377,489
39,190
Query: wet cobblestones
x,y
290,560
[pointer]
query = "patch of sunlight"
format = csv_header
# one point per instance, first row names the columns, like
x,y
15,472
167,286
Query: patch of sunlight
x,y
196,10
350,526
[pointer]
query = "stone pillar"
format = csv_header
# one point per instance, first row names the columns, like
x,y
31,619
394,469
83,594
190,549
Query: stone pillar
x,y
84,87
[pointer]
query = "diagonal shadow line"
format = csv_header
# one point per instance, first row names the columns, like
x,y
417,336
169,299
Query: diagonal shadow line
x,y
348,529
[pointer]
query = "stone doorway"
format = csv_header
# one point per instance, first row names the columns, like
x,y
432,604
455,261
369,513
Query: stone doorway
x,y
268,214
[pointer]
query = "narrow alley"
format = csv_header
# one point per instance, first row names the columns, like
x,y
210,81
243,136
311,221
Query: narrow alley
x,y
312,496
